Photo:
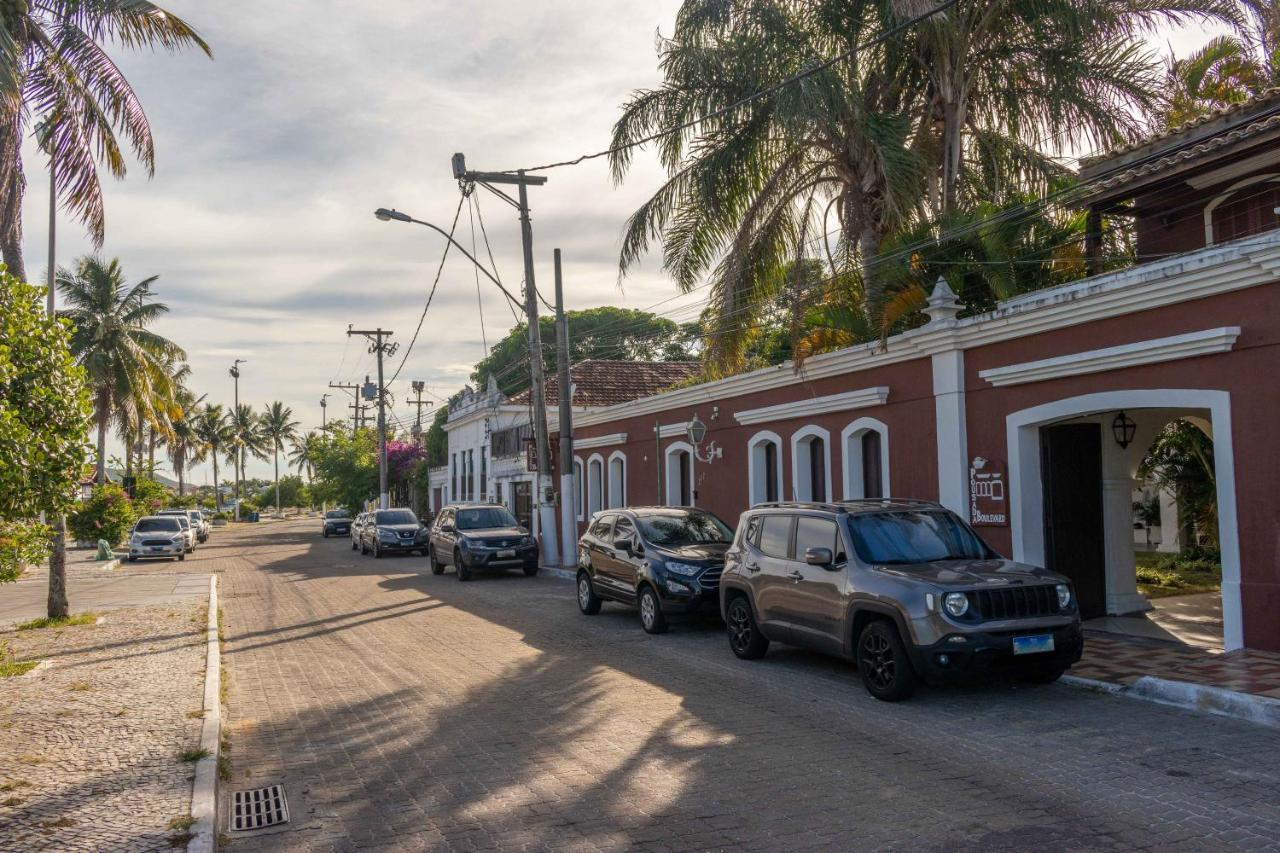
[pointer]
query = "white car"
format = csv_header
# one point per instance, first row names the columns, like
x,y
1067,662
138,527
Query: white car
x,y
159,536
189,529
203,526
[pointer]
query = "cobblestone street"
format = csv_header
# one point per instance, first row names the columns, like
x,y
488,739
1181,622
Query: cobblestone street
x,y
407,711
90,742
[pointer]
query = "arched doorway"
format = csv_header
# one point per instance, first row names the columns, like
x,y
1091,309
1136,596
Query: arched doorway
x,y
1072,487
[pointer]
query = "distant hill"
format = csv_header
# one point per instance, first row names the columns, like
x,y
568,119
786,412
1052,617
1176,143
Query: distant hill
x,y
115,475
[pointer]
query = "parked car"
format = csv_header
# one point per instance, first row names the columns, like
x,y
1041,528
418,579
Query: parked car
x,y
357,526
188,530
666,560
480,536
905,589
205,525
198,533
387,531
158,536
336,523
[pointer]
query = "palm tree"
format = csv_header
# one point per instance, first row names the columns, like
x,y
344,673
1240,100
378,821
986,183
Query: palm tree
x,y
185,444
213,431
246,440
277,427
127,365
56,74
303,454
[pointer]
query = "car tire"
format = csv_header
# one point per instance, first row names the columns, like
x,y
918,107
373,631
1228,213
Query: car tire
x,y
588,602
181,557
651,617
884,664
353,544
531,571
363,550
437,568
1046,674
325,534
464,571
745,638
131,559
377,550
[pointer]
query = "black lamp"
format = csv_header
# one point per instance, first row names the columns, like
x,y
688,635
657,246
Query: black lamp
x,y
1123,428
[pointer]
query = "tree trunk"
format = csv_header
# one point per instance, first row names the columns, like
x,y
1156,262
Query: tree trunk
x,y
217,490
151,451
57,605
178,465
13,186
953,112
276,454
104,412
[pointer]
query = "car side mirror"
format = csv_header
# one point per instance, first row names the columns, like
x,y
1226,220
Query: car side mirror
x,y
622,544
819,557
447,527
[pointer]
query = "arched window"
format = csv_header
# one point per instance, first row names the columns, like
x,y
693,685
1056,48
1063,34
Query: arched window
x,y
617,479
595,484
865,444
811,464
1245,208
678,473
764,467
578,485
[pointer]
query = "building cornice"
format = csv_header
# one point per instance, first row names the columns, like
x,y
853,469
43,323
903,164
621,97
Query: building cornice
x,y
600,441
815,406
1189,345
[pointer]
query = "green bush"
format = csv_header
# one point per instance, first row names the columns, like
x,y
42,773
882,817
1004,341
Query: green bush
x,y
1193,570
107,514
22,543
149,497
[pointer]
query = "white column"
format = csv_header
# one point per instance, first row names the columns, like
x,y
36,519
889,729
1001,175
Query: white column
x,y
1170,533
953,442
1117,525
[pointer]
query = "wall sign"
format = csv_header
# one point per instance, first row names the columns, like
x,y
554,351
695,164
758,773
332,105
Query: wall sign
x,y
988,505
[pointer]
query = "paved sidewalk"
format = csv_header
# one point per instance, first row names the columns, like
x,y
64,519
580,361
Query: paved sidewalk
x,y
89,744
28,599
1123,660
405,711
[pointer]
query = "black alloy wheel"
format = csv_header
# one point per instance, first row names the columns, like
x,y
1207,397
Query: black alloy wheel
x,y
745,638
882,660
588,602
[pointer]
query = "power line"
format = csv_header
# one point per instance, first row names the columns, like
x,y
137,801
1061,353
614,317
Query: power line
x,y
484,338
755,96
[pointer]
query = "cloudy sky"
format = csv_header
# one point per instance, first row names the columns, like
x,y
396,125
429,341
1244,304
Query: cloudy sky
x,y
272,157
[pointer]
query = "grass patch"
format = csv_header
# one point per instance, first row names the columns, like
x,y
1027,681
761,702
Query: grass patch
x,y
195,715
61,823
14,785
60,622
191,756
12,802
1163,575
31,758
9,668
80,686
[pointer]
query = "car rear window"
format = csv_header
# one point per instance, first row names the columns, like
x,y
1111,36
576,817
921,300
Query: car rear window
x,y
814,532
336,513
600,527
775,535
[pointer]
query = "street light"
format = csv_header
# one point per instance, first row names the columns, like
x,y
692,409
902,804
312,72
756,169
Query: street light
x,y
697,432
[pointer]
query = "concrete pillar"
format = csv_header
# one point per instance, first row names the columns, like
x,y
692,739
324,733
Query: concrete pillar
x,y
1118,484
1170,532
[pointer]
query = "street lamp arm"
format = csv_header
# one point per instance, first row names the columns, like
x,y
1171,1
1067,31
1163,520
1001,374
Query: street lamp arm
x,y
382,213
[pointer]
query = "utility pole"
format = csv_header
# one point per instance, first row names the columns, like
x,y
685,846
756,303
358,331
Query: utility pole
x,y
418,387
568,494
323,407
380,348
546,508
239,458
354,391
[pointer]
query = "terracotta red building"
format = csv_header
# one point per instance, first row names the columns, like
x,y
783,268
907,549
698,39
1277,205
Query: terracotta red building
x,y
1029,420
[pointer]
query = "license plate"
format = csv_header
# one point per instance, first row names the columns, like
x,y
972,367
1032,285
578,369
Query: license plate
x,y
157,547
506,555
1033,645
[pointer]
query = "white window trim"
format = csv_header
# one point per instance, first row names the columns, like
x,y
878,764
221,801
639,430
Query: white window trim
x,y
622,491
852,456
1221,197
592,497
796,438
579,483
752,473
667,453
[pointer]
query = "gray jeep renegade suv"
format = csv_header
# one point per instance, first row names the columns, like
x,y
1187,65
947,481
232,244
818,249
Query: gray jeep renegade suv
x,y
904,589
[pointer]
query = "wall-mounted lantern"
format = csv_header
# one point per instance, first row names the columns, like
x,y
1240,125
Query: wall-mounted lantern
x,y
1123,429
697,434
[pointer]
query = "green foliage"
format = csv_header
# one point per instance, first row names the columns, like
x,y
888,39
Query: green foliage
x,y
10,667
346,469
437,438
44,407
107,514
59,621
1189,572
293,492
1181,461
603,333
150,496
22,543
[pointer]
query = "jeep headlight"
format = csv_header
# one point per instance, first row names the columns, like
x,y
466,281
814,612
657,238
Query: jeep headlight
x,y
1064,596
956,603
683,569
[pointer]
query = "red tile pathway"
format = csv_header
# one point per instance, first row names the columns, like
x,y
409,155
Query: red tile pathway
x,y
1123,660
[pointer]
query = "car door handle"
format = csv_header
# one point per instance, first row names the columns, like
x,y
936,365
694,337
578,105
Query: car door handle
x,y
752,567
796,576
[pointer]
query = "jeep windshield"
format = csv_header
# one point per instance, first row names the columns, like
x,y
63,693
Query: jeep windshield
x,y
905,537
678,529
485,518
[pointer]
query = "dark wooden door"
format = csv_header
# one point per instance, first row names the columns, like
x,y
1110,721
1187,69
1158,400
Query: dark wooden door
x,y
1071,467
522,492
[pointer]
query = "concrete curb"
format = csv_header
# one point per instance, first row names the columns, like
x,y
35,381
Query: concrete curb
x,y
1259,710
204,792
566,574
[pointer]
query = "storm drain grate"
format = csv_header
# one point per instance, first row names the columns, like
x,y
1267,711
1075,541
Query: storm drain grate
x,y
258,808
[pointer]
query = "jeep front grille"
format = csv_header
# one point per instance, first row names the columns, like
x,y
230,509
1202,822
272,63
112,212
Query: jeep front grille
x,y
1015,602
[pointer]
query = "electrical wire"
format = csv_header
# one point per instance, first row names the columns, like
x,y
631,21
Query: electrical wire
x,y
484,338
493,265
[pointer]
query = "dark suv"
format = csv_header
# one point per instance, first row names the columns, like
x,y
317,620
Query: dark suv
x,y
481,536
387,531
905,589
336,523
667,560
